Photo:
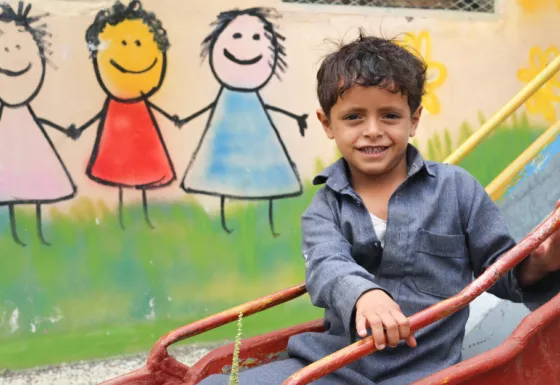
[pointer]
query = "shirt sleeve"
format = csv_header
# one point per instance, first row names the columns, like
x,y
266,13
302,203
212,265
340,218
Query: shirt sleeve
x,y
333,279
488,238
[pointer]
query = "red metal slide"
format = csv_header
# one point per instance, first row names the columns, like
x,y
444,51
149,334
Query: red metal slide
x,y
531,355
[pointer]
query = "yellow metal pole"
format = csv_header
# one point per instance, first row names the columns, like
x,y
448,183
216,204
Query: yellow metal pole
x,y
500,184
505,112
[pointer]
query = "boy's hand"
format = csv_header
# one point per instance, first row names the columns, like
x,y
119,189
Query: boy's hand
x,y
544,260
387,323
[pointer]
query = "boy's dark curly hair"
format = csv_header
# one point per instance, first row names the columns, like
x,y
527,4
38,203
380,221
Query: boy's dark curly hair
x,y
371,61
119,13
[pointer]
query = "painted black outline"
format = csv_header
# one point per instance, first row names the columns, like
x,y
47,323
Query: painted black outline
x,y
224,19
143,96
15,74
38,202
136,12
279,51
126,71
22,18
39,122
232,58
34,93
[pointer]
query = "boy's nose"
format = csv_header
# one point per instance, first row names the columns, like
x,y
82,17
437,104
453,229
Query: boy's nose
x,y
372,129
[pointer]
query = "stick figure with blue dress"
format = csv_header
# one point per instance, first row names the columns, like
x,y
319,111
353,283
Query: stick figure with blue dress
x,y
241,154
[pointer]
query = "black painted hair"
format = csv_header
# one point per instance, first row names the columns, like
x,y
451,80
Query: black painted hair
x,y
371,61
21,18
118,13
271,33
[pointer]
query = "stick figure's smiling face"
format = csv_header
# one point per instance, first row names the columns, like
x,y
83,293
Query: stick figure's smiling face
x,y
242,56
21,65
129,62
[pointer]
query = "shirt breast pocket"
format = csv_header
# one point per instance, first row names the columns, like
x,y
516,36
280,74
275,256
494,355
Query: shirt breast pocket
x,y
441,266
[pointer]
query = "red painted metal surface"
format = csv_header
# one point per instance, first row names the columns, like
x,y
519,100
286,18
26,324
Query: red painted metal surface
x,y
533,349
163,369
253,351
531,355
438,311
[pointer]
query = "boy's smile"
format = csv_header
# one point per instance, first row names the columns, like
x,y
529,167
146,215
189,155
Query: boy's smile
x,y
371,127
129,63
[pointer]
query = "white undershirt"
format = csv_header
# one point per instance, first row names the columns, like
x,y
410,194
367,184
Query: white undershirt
x,y
380,227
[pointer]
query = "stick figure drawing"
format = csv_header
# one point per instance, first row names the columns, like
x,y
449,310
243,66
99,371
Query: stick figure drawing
x,y
31,170
128,48
241,154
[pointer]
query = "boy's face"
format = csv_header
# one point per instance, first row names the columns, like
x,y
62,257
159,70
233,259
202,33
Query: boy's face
x,y
371,127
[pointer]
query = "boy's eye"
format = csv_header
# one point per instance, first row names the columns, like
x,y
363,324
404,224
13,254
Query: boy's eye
x,y
124,42
237,35
138,43
392,116
351,117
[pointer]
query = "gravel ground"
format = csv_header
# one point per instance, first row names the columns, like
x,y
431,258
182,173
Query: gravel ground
x,y
94,372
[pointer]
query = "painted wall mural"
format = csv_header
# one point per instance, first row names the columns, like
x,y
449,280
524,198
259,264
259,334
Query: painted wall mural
x,y
128,48
121,152
23,67
530,6
244,51
421,44
547,97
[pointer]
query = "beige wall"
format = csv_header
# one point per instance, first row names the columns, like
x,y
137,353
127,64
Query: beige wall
x,y
481,54
100,290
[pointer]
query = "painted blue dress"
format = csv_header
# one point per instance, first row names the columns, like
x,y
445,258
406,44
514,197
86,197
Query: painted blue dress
x,y
241,154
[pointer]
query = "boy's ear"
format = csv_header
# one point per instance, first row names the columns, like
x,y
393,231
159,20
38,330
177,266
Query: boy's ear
x,y
415,120
325,122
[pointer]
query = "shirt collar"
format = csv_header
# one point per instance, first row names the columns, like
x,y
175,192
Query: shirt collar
x,y
336,176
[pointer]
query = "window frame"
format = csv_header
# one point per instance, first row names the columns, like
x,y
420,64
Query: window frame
x,y
371,11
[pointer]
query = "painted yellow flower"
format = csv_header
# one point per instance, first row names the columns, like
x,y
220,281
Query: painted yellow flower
x,y
530,6
421,45
542,102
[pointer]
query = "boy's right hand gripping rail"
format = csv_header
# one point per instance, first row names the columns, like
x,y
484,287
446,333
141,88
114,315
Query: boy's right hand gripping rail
x,y
438,311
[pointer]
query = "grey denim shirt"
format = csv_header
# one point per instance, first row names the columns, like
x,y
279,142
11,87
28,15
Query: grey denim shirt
x,y
442,229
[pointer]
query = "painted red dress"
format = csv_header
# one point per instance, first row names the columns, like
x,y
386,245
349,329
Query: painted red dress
x,y
129,150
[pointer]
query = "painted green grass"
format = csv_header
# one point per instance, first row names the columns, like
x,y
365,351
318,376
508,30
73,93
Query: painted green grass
x,y
102,342
501,148
491,156
100,291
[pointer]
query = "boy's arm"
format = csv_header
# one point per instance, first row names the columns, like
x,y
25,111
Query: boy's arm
x,y
488,238
333,279
542,262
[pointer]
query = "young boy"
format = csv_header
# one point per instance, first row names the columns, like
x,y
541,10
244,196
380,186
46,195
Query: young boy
x,y
391,234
